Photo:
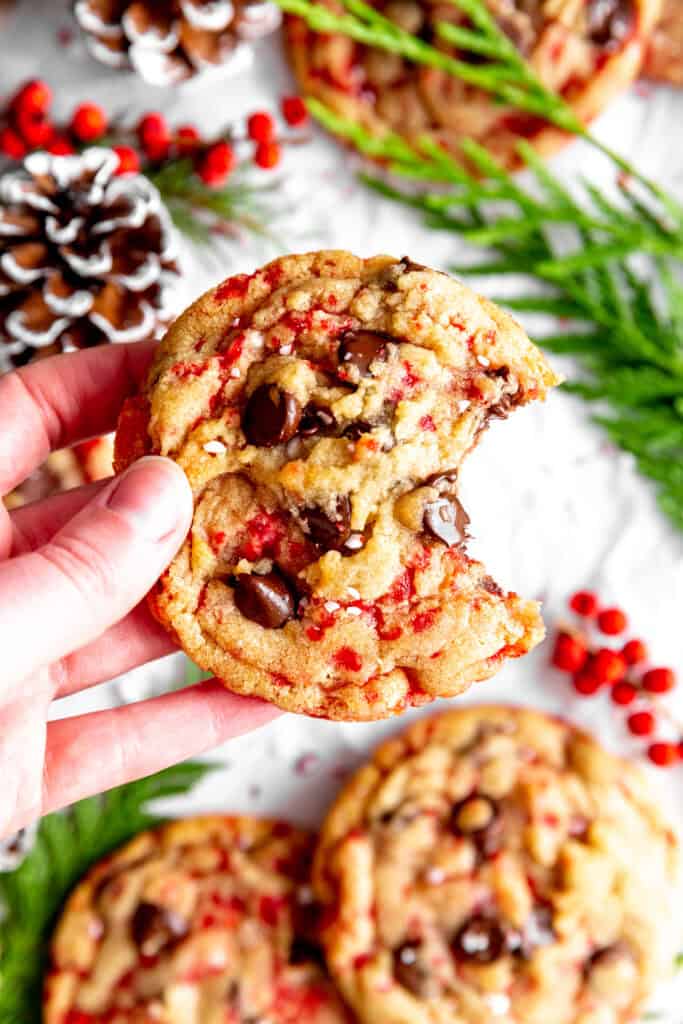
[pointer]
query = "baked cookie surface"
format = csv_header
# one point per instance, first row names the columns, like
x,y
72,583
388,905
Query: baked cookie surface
x,y
495,864
321,409
202,921
664,54
587,50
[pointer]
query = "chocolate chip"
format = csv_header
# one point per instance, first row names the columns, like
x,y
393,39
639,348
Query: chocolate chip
x,y
446,519
354,431
479,819
491,587
329,534
153,928
480,940
361,349
411,970
271,416
609,21
267,600
316,419
609,955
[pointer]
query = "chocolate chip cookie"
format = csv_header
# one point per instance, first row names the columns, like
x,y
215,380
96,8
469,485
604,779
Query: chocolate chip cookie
x,y
587,50
321,409
209,919
664,54
495,864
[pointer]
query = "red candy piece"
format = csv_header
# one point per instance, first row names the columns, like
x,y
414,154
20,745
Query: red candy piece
x,y
349,659
88,123
267,155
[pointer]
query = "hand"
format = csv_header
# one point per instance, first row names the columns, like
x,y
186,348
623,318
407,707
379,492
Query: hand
x,y
73,569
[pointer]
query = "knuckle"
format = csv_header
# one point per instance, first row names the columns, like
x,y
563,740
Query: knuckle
x,y
82,565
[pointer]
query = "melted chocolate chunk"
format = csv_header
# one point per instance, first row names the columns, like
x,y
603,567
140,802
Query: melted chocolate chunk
x,y
271,416
609,955
316,420
609,21
267,600
446,519
480,940
491,587
361,349
479,819
153,928
326,533
411,970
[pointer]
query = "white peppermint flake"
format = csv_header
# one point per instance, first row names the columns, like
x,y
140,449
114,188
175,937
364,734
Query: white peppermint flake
x,y
483,361
435,876
498,1003
235,372
214,447
463,405
331,606
285,350
352,592
354,610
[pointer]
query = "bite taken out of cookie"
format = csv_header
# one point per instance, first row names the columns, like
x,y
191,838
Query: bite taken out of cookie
x,y
321,409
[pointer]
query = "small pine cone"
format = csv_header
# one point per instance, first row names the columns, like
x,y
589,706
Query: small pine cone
x,y
85,257
168,43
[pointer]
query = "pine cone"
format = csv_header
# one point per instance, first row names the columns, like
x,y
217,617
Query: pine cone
x,y
169,42
85,257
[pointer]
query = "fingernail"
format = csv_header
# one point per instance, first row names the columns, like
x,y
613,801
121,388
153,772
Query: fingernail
x,y
153,495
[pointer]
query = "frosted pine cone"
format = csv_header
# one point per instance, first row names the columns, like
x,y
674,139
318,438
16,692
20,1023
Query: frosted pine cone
x,y
85,257
167,43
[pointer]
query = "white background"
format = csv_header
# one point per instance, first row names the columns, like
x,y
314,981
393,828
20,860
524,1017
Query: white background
x,y
553,506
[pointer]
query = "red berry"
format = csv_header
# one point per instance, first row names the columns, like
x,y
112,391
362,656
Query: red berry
x,y
88,122
612,621
153,133
584,602
33,97
585,683
267,155
12,145
260,126
570,654
634,652
608,666
641,723
294,111
659,680
60,146
187,138
663,754
624,693
129,160
216,164
36,131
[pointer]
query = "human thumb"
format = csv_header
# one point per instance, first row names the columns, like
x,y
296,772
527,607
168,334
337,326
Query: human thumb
x,y
95,569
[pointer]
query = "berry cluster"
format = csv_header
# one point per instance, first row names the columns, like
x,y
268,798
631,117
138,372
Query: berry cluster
x,y
632,682
26,125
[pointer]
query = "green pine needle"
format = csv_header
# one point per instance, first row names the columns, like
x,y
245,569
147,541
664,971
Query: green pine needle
x,y
67,845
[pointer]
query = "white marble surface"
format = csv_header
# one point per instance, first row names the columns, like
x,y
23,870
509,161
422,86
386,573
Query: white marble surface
x,y
553,506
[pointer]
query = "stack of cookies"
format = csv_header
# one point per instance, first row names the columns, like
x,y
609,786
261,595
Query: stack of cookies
x,y
491,864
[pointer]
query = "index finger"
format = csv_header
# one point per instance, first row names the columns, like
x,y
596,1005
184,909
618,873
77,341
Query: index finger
x,y
62,400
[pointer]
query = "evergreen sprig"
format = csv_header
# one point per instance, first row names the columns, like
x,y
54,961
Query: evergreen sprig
x,y
203,212
67,845
595,259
